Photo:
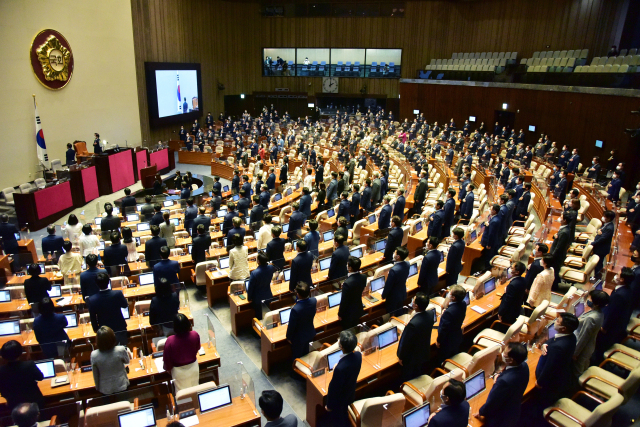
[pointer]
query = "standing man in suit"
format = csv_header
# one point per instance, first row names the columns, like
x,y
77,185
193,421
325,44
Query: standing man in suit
x,y
514,294
436,221
351,310
201,219
421,193
332,189
354,206
265,197
271,403
237,229
235,182
147,210
466,207
257,213
376,189
190,214
19,378
428,278
8,232
502,407
594,170
454,257
554,370
394,239
153,245
365,199
243,203
398,208
342,388
395,288
88,285
300,330
454,411
563,158
602,242
116,254
587,333
450,327
449,210
305,203
384,220
296,221
574,161
275,248
128,202
490,240
166,268
105,309
51,242
560,246
260,284
535,267
201,244
319,172
344,207
339,258
301,266
227,223
415,342
523,203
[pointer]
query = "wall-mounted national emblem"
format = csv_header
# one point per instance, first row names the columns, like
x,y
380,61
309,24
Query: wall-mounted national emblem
x,y
51,59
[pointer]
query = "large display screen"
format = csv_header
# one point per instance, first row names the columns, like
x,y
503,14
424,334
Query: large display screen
x,y
174,92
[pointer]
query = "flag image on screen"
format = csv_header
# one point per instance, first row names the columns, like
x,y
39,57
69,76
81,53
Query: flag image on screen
x,y
173,100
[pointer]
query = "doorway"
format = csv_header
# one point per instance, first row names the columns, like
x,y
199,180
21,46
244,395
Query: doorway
x,y
504,118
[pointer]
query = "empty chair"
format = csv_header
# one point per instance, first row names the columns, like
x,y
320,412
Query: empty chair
x,y
566,412
106,414
563,54
8,195
470,364
491,336
623,52
615,68
40,182
371,412
619,60
633,51
570,54
610,60
536,55
56,164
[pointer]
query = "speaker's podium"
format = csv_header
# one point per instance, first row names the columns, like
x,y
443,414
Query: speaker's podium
x,y
116,169
147,176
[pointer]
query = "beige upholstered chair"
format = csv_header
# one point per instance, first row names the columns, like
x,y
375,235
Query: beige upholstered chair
x,y
420,389
192,392
199,276
605,384
491,336
377,411
567,413
470,364
106,415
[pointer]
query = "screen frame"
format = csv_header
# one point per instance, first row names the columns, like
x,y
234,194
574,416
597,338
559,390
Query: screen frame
x,y
395,328
144,408
329,297
12,321
224,386
40,362
479,373
412,411
152,96
329,367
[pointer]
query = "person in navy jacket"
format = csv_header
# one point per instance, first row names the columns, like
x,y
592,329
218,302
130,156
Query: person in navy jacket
x,y
116,254
536,267
296,221
594,170
354,208
190,213
384,220
246,184
466,207
436,221
454,411
260,284
449,210
514,294
105,309
450,327
602,242
300,330
342,388
339,258
88,284
165,268
365,197
185,193
227,223
217,184
153,245
395,288
345,206
614,187
454,257
415,343
301,266
491,237
305,203
394,239
502,407
52,243
265,196
275,248
243,204
235,182
574,161
49,328
527,157
271,180
398,208
563,157
351,310
428,278
560,190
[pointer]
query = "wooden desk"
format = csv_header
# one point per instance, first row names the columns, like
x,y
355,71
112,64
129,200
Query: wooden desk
x,y
240,413
195,158
223,170
29,245
471,252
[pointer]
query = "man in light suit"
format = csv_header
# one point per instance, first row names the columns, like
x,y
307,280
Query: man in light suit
x,y
384,220
300,330
587,333
395,288
415,342
332,189
105,309
502,407
454,257
602,242
428,278
301,266
436,221
351,310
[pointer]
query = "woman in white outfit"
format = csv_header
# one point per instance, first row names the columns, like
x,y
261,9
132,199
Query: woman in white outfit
x,y
73,229
238,262
167,229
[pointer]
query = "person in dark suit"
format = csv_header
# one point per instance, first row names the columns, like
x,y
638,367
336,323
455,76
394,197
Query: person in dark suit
x,y
88,284
105,309
165,268
305,203
561,245
535,267
376,187
243,203
227,223
351,310
265,197
51,242
490,240
415,342
332,189
128,203
300,330
201,244
454,411
257,214
574,161
616,315
19,379
428,278
341,183
246,185
602,242
594,170
8,233
217,184
49,328
449,210
521,213
384,219
365,198
354,206
344,207
514,294
235,182
36,287
394,238
398,208
190,214
185,192
454,257
502,408
319,172
436,221
450,327
339,258
554,369
271,180
395,288
202,219
466,207
164,305
342,388
275,248
260,284
296,222
116,254
421,193
301,266
153,245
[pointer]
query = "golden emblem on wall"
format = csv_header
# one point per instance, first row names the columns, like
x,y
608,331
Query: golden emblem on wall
x,y
51,59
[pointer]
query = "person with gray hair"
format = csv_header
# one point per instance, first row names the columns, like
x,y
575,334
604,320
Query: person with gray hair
x,y
25,415
342,388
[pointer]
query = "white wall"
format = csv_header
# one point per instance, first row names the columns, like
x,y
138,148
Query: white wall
x,y
101,96
347,55
384,55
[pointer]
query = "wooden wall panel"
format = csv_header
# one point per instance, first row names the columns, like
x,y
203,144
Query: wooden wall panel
x,y
226,37
575,119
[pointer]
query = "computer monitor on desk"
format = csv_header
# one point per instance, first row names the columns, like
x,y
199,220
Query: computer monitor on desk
x,y
475,384
144,417
213,399
417,417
